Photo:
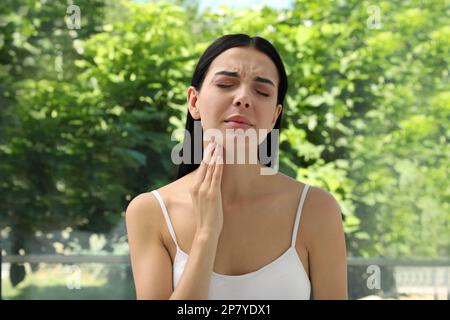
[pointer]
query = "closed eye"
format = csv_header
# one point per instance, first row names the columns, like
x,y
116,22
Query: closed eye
x,y
262,93
228,86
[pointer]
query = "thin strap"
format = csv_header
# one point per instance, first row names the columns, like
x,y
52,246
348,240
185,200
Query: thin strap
x,y
299,213
166,215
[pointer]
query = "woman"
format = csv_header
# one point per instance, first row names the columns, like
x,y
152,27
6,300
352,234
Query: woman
x,y
225,230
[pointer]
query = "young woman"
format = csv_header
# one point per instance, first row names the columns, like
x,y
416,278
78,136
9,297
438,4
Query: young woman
x,y
224,230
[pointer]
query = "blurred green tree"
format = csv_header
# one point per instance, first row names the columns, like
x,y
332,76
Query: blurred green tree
x,y
87,115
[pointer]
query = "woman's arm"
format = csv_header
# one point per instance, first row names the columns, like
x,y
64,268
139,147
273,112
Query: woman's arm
x,y
326,247
151,262
194,283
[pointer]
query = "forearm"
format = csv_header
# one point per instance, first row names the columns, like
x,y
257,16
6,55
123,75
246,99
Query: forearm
x,y
194,283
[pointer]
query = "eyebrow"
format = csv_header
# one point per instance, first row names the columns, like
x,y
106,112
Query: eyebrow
x,y
236,75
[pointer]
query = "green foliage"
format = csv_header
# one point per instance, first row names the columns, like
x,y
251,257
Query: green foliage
x,y
86,115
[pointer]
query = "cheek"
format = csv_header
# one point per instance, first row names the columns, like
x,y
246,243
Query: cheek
x,y
213,106
212,114
264,119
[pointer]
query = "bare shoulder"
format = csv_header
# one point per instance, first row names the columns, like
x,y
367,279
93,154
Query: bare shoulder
x,y
320,205
319,202
150,261
325,242
324,203
144,211
288,183
322,215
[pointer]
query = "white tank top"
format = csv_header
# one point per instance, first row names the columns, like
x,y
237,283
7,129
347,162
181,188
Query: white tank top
x,y
284,278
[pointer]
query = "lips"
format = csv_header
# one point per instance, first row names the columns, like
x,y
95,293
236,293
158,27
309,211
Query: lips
x,y
237,125
238,120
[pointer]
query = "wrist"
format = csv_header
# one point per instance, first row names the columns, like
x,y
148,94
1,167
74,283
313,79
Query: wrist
x,y
207,235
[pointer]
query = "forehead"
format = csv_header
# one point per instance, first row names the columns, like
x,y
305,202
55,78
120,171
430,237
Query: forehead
x,y
248,62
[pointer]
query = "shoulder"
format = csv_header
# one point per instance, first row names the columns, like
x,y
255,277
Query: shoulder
x,y
283,183
144,213
141,205
146,205
145,209
321,213
150,259
323,203
320,205
322,216
324,240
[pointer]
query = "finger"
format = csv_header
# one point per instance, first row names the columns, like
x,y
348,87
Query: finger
x,y
204,164
210,168
218,169
219,151
210,152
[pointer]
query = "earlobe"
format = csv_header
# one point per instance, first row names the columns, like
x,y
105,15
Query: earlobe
x,y
192,100
197,114
196,109
194,113
276,114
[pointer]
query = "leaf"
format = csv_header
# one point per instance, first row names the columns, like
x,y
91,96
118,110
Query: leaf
x,y
139,157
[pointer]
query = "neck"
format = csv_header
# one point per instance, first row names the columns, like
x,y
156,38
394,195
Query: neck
x,y
240,181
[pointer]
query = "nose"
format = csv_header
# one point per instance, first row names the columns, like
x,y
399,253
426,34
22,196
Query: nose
x,y
242,99
238,103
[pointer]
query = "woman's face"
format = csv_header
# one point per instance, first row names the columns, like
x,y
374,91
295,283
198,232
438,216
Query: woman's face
x,y
240,81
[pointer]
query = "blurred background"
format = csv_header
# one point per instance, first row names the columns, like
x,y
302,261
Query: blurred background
x,y
91,91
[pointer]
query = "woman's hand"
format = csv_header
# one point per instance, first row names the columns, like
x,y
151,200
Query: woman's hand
x,y
206,191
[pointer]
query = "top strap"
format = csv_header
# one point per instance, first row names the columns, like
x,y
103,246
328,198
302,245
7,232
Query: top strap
x,y
299,213
166,215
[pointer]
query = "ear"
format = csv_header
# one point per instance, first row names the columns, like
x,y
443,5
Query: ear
x,y
276,113
192,100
